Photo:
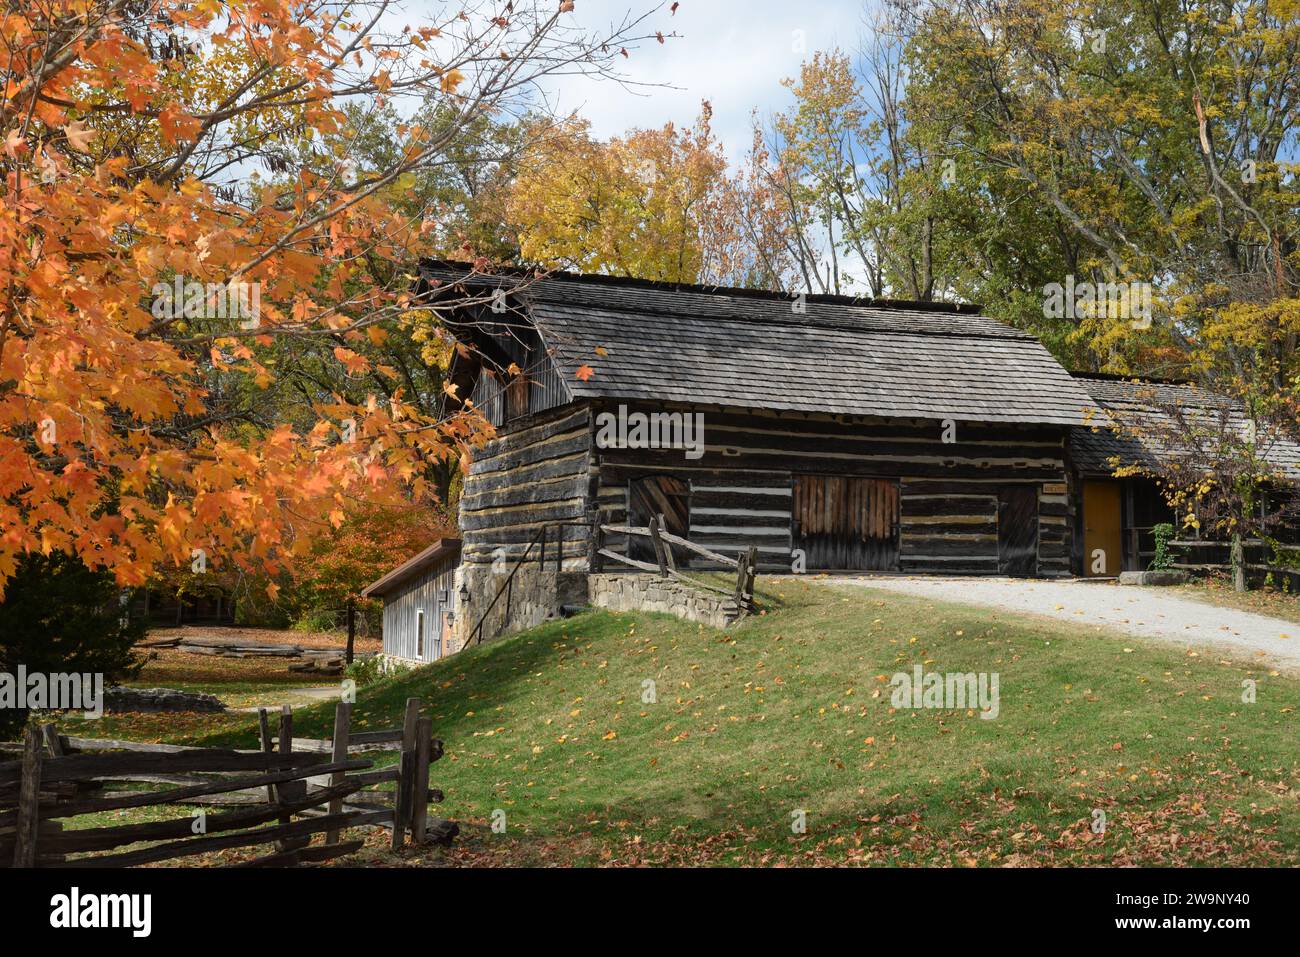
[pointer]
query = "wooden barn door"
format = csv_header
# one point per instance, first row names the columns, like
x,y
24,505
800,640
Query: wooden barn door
x,y
663,495
1018,530
846,523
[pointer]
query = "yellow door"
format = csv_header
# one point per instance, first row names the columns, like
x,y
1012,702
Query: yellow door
x,y
1103,554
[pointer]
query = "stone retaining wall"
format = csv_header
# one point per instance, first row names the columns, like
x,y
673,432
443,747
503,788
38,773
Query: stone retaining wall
x,y
632,592
132,700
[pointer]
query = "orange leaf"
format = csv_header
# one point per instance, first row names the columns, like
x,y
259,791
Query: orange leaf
x,y
177,126
450,80
78,136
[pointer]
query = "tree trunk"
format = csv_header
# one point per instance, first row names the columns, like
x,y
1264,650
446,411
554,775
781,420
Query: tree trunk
x,y
352,629
1238,563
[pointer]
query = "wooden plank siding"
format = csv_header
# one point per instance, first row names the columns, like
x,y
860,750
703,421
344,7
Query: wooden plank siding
x,y
538,388
742,491
841,522
419,593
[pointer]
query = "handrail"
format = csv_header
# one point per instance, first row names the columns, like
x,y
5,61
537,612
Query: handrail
x,y
476,636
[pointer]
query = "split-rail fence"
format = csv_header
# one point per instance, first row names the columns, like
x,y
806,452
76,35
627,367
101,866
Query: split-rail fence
x,y
284,794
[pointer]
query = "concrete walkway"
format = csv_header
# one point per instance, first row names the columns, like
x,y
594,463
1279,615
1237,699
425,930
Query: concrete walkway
x,y
1137,611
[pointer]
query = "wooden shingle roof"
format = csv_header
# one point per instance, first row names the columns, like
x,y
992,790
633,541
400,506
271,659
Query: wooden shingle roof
x,y
446,550
691,344
1095,449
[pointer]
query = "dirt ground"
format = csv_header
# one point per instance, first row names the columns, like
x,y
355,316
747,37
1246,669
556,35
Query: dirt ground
x,y
268,636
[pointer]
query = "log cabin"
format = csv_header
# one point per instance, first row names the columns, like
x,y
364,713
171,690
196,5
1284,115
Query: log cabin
x,y
830,433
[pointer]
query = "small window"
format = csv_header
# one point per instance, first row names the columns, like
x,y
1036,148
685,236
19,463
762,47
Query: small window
x,y
444,597
419,633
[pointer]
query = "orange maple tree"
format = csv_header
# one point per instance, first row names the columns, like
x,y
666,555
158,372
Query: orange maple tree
x,y
177,197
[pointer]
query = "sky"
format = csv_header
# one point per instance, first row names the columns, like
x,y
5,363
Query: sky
x,y
733,53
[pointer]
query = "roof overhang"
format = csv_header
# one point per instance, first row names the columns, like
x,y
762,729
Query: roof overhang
x,y
411,568
633,340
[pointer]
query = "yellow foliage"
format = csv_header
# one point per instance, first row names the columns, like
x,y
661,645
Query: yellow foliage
x,y
637,206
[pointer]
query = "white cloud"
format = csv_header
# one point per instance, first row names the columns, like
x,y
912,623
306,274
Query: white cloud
x,y
733,53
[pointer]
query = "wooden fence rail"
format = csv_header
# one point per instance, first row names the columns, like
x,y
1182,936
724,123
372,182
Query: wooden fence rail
x,y
290,790
746,563
1204,556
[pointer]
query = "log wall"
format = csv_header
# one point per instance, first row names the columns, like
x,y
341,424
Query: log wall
x,y
536,473
742,489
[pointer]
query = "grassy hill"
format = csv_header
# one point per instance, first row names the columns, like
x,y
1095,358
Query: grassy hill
x,y
791,712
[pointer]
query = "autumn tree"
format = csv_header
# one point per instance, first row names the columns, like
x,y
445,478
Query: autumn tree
x,y
1139,141
372,541
748,242
178,204
644,204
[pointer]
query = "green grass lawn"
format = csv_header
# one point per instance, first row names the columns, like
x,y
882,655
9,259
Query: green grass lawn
x,y
790,711
1217,590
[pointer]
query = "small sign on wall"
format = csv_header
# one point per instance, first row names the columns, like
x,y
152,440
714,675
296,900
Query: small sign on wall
x,y
1054,488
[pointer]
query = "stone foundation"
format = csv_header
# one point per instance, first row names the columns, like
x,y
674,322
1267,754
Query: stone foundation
x,y
651,593
388,664
1165,576
535,595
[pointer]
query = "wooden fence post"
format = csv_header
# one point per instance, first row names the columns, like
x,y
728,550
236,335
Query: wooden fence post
x,y
286,746
352,629
420,788
264,734
52,741
405,773
595,561
659,547
664,546
342,729
29,796
290,790
745,577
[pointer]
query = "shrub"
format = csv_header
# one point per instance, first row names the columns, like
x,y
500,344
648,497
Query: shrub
x,y
317,619
365,671
60,616
1163,559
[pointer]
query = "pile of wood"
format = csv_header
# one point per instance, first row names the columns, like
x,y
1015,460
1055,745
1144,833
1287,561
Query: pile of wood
x,y
324,661
286,794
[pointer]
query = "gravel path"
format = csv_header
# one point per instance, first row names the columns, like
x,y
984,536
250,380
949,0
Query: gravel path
x,y
1133,610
